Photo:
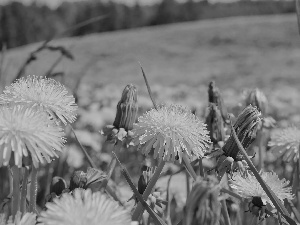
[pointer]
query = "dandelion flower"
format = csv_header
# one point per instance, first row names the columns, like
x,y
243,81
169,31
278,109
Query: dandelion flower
x,y
26,219
170,130
28,132
42,92
249,187
286,143
84,207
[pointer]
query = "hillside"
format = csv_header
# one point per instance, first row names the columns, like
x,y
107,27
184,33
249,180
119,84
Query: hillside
x,y
236,52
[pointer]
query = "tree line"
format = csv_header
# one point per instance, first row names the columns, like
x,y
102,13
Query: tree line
x,y
22,24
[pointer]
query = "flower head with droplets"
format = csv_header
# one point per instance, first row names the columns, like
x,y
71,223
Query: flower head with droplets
x,y
171,131
28,132
249,187
44,93
84,207
26,219
285,143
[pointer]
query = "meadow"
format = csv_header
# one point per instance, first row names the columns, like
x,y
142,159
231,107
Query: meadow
x,y
179,60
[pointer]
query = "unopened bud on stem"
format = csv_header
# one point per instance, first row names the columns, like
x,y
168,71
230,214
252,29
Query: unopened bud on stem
x,y
258,99
246,127
214,96
214,123
127,108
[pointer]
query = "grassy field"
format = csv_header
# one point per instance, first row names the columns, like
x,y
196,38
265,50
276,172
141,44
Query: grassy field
x,y
237,52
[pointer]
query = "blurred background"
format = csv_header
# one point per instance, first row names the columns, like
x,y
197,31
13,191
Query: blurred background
x,y
96,47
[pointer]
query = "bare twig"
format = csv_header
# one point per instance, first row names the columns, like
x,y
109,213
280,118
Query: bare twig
x,y
33,55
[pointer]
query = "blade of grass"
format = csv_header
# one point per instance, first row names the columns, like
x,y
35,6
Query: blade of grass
x,y
125,173
90,161
110,170
293,208
148,87
278,205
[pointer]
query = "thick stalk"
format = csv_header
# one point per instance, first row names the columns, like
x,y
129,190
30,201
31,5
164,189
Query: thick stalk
x,y
16,190
33,190
24,190
139,209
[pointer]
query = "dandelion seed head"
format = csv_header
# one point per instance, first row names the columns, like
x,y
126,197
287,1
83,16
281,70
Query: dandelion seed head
x,y
171,130
45,93
248,187
28,132
84,207
285,143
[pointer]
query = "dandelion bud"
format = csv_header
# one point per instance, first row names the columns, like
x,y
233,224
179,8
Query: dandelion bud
x,y
127,108
78,180
215,125
258,99
246,127
144,179
58,185
203,206
214,96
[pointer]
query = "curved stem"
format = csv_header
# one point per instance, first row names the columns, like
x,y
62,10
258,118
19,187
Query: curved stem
x,y
24,190
16,190
139,209
33,190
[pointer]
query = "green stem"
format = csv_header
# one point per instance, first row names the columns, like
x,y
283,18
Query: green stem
x,y
187,184
261,150
201,168
225,213
24,190
90,161
33,190
188,166
139,209
16,190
